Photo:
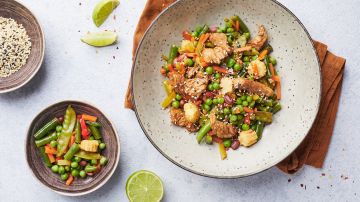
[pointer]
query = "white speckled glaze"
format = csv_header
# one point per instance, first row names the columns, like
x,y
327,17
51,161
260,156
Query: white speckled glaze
x,y
298,67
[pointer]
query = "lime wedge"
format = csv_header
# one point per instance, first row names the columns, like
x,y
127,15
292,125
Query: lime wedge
x,y
144,186
103,9
99,39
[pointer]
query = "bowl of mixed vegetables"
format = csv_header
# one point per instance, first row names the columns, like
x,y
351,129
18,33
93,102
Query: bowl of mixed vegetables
x,y
228,88
72,148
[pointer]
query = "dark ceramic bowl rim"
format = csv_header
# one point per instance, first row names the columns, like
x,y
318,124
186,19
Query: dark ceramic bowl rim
x,y
41,55
111,172
186,168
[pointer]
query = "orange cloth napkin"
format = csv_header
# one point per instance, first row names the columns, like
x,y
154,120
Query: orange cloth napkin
x,y
313,149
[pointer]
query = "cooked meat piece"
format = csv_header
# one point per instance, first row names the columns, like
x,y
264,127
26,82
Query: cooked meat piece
x,y
252,87
226,85
214,55
220,40
192,112
248,138
260,69
222,129
242,49
259,41
177,82
194,72
195,87
177,117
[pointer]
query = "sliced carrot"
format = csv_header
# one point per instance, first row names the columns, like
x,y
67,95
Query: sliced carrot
x,y
220,69
203,63
237,25
276,78
162,71
272,70
187,35
278,87
87,117
248,110
72,140
69,180
263,54
256,70
51,158
49,150
171,68
201,42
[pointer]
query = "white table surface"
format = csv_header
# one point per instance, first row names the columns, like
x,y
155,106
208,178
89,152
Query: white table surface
x,y
73,70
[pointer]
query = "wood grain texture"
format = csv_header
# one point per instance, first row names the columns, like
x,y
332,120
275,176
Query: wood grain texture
x,y
79,186
22,15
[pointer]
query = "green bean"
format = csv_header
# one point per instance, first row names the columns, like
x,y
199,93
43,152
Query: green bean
x,y
69,120
208,139
266,62
269,48
90,169
47,128
203,131
95,132
243,26
45,157
204,30
103,160
46,139
276,108
72,151
90,123
263,116
259,129
172,54
77,132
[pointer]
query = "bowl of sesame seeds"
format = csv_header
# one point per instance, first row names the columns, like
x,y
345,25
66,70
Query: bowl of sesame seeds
x,y
22,45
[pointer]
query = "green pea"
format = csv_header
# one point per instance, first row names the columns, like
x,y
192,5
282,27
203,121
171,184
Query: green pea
x,y
102,146
178,97
255,97
58,128
246,59
216,85
55,168
247,35
53,144
61,170
233,118
240,117
227,143
93,162
58,134
75,173
217,76
189,62
208,101
77,159
209,70
91,138
230,30
228,24
254,57
226,111
103,160
272,60
231,62
210,87
82,173
74,164
246,64
245,127
176,104
243,98
221,100
238,101
248,98
208,139
207,107
215,101
237,67
245,103
67,168
64,176
252,104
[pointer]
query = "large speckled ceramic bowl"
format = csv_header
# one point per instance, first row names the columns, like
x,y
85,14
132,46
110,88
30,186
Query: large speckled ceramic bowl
x,y
297,64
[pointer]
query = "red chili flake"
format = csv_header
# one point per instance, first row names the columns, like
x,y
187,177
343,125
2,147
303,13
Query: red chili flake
x,y
289,180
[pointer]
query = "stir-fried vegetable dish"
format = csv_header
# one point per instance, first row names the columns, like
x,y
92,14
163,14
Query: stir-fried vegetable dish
x,y
71,145
222,83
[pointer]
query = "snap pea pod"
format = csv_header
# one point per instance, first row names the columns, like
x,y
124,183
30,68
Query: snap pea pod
x,y
72,151
276,108
69,120
51,125
203,131
46,139
204,30
45,157
90,169
88,155
95,132
265,117
63,142
90,123
172,54
77,132
259,129
243,26
268,72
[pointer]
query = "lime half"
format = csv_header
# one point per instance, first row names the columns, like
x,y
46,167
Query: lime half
x,y
99,39
103,9
144,186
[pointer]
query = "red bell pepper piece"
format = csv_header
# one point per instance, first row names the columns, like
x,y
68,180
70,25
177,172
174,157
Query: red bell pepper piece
x,y
84,130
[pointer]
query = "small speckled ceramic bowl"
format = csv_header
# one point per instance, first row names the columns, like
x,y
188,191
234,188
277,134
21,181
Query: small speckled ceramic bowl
x,y
22,15
79,186
298,67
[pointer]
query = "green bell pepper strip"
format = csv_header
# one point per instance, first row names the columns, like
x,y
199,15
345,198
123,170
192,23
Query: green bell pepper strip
x,y
46,140
90,123
63,142
259,129
51,125
172,54
69,120
88,155
203,131
77,132
276,108
265,117
45,157
70,153
95,132
90,169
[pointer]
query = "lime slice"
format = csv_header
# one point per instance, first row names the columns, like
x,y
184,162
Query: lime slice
x,y
99,39
103,9
144,186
